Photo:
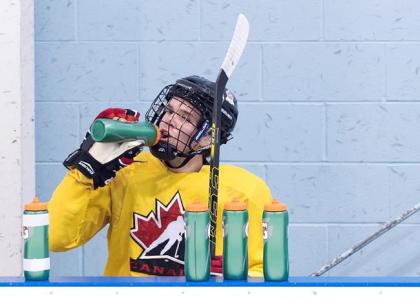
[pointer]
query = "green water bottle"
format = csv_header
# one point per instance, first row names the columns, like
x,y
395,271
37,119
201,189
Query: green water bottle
x,y
36,259
108,130
275,229
197,243
235,240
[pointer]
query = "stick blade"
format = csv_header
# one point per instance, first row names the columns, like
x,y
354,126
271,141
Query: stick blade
x,y
237,45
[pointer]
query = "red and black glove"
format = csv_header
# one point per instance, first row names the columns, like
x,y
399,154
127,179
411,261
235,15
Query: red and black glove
x,y
216,266
100,161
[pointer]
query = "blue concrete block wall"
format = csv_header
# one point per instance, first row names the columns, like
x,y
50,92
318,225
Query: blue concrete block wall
x,y
329,95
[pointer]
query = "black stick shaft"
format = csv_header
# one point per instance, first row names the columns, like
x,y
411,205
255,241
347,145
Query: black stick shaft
x,y
214,158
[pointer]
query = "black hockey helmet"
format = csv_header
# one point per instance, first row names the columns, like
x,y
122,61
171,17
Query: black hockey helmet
x,y
200,93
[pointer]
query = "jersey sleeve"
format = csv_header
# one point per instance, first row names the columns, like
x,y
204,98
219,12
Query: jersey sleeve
x,y
77,211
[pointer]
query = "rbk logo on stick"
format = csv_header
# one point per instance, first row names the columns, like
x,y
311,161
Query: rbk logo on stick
x,y
161,235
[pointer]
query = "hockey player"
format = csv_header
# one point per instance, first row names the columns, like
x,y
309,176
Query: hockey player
x,y
141,195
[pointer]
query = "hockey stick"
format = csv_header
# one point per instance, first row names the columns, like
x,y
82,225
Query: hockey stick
x,y
366,241
236,47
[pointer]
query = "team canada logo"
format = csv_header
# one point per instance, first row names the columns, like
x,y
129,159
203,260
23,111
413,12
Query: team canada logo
x,y
161,235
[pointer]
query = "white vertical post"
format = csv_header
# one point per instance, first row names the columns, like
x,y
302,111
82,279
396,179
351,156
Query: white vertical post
x,y
17,150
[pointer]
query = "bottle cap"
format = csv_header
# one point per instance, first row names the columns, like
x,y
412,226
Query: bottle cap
x,y
196,206
235,205
36,205
158,135
275,206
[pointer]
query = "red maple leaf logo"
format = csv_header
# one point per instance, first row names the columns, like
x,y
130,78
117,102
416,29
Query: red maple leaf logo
x,y
148,228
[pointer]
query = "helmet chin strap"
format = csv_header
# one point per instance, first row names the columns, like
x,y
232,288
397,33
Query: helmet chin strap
x,y
167,153
185,162
187,159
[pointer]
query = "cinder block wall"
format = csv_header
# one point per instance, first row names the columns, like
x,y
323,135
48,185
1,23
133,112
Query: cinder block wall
x,y
329,95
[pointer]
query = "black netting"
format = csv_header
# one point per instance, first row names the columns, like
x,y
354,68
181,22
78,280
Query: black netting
x,y
179,122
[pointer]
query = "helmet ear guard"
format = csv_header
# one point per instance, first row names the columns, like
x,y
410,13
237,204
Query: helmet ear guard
x,y
204,129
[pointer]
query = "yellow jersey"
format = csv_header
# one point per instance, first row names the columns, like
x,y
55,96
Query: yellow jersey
x,y
143,206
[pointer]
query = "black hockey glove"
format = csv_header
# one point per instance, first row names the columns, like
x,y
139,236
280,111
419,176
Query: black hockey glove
x,y
100,161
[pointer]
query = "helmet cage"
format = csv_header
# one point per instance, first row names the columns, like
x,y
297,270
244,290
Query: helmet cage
x,y
180,145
